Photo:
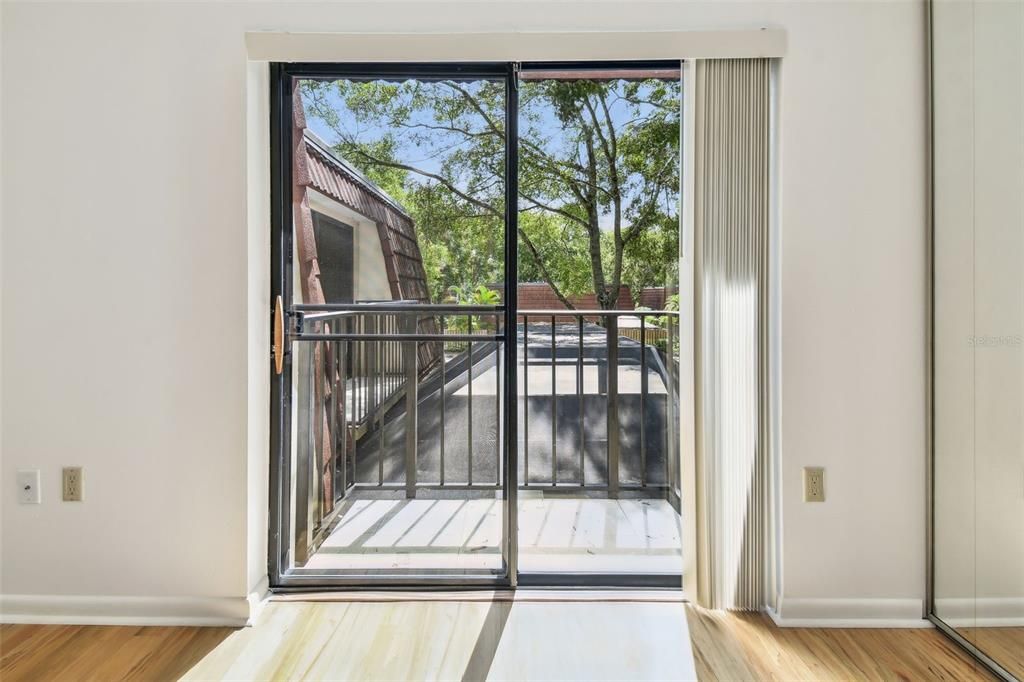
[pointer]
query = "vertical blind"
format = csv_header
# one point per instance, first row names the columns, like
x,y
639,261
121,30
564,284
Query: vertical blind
x,y
731,212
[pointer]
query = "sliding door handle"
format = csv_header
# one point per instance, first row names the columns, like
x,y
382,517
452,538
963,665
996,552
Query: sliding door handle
x,y
278,336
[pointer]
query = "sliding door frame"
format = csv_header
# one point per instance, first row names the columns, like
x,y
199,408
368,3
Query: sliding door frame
x,y
282,79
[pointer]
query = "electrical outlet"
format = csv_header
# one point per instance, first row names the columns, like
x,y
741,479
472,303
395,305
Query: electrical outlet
x,y
28,486
814,484
72,484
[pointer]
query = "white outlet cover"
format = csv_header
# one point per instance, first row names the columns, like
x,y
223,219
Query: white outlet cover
x,y
28,486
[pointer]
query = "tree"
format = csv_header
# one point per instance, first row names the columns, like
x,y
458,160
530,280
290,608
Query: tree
x,y
598,182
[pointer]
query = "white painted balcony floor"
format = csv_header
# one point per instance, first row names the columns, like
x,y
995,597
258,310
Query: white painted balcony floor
x,y
556,534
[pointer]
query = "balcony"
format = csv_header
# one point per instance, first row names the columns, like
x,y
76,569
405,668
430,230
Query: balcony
x,y
399,461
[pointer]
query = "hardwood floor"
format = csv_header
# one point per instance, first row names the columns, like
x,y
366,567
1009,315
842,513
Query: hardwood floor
x,y
1005,644
471,640
77,652
748,646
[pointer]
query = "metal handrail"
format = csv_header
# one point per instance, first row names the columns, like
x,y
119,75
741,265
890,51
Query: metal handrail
x,y
318,313
425,309
326,315
302,336
411,308
559,312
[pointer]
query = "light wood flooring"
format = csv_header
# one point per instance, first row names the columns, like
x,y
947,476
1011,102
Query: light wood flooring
x,y
92,652
524,638
1005,645
748,646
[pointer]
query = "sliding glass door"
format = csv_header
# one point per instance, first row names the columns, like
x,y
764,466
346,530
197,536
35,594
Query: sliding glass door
x,y
416,397
599,249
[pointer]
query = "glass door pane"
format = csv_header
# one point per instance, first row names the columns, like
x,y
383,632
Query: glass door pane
x,y
398,277
599,177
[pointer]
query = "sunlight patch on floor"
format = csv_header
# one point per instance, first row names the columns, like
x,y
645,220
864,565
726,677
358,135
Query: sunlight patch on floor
x,y
555,534
450,640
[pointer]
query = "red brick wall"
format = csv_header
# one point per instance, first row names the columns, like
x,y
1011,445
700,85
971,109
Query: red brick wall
x,y
540,296
653,298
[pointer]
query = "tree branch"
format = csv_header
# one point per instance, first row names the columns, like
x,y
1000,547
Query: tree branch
x,y
433,176
543,269
472,101
593,228
611,150
449,129
555,209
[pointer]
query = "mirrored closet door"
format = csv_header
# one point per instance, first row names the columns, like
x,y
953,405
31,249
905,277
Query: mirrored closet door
x,y
978,329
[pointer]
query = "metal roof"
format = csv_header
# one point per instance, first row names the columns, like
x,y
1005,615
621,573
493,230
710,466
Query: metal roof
x,y
326,154
338,179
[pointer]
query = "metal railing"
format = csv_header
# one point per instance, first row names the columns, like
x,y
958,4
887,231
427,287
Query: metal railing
x,y
608,357
396,391
374,366
364,367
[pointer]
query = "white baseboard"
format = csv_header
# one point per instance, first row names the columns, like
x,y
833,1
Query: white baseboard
x,y
983,612
258,598
120,610
849,613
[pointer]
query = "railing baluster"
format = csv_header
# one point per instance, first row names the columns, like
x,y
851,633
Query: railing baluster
x,y
367,372
378,418
316,468
579,404
363,362
350,326
444,387
497,408
372,369
612,335
358,376
526,403
643,400
343,387
554,408
309,466
380,364
381,431
332,382
469,386
411,415
672,451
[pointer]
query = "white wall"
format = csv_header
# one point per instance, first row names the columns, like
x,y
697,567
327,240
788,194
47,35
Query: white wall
x,y
124,170
853,158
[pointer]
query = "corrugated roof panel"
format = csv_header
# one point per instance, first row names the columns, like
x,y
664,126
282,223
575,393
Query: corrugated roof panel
x,y
337,179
